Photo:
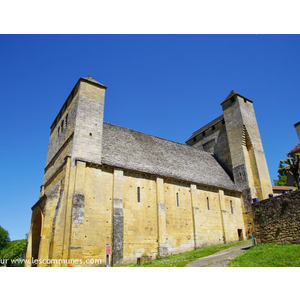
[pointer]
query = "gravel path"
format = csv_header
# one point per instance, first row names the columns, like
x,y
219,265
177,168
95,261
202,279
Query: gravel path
x,y
222,258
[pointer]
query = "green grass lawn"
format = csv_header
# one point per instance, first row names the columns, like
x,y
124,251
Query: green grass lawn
x,y
269,255
182,259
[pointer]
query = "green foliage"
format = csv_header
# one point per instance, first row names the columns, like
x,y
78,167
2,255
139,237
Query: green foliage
x,y
14,250
292,165
182,259
4,237
282,179
281,170
269,255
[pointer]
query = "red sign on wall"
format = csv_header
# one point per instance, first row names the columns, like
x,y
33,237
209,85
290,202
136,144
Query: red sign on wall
x,y
108,250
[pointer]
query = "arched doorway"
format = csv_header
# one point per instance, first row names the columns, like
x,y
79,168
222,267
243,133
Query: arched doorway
x,y
36,237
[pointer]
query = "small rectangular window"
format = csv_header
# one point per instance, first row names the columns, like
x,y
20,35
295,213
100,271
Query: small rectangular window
x,y
177,199
207,201
213,128
231,207
138,194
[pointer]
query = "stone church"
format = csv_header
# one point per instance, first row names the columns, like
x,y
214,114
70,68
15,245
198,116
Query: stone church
x,y
143,195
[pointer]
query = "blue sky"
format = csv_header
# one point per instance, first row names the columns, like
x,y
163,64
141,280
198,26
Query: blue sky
x,y
165,85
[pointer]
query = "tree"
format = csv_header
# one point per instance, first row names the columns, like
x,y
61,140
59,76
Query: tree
x,y
292,165
281,181
4,237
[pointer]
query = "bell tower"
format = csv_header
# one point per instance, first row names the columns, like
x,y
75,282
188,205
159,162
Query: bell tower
x,y
234,140
249,166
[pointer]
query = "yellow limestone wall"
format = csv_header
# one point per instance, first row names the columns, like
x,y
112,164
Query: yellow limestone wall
x,y
97,231
140,218
179,219
156,221
209,224
233,220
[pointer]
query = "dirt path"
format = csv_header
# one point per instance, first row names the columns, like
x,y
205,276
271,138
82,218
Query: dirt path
x,y
222,258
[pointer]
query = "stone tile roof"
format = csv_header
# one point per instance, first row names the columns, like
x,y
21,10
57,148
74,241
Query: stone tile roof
x,y
295,150
233,93
132,150
91,79
215,121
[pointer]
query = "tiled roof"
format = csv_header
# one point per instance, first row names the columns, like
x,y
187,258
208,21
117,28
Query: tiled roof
x,y
132,150
295,150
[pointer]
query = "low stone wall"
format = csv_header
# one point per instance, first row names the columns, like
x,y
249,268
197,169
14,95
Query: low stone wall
x,y
277,220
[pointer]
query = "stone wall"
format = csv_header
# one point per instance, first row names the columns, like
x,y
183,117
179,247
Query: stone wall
x,y
104,206
277,220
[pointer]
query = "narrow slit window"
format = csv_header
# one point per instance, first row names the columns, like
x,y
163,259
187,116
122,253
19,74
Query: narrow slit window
x,y
58,130
177,199
207,202
66,120
231,207
62,125
138,194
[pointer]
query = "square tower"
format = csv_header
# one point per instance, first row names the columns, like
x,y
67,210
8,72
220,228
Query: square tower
x,y
234,140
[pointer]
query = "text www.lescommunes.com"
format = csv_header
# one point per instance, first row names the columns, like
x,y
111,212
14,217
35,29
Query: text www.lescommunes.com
x,y
51,261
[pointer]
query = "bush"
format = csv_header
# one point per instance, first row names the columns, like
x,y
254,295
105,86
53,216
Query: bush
x,y
4,237
14,250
